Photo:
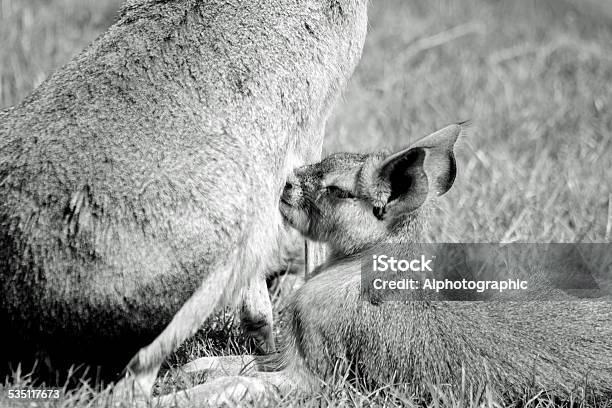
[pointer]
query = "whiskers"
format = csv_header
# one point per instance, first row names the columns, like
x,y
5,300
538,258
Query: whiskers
x,y
310,206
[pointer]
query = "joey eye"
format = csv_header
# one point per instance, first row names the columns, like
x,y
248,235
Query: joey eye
x,y
338,192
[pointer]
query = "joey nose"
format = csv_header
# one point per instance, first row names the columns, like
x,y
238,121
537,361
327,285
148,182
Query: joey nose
x,y
290,191
286,195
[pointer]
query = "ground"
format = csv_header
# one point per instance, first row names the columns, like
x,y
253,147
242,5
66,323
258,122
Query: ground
x,y
535,78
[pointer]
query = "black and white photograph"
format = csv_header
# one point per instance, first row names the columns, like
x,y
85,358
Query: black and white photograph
x,y
305,203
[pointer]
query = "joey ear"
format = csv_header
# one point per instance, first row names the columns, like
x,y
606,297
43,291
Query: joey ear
x,y
409,176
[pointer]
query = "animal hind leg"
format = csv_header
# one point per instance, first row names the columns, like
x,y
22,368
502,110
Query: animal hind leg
x,y
256,309
256,314
145,364
228,365
262,388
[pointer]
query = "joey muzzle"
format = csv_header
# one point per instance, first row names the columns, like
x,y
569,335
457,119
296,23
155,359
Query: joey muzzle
x,y
292,191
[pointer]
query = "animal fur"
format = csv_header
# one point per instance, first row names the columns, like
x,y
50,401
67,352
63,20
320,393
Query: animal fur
x,y
559,343
153,158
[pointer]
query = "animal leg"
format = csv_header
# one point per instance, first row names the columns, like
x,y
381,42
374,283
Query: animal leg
x,y
145,364
264,389
256,309
256,314
229,365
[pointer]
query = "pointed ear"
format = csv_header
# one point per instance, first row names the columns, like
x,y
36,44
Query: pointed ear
x,y
409,176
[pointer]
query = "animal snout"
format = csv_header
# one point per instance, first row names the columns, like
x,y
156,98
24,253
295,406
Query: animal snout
x,y
291,191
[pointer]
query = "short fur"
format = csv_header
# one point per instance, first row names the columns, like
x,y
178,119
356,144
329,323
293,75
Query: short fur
x,y
153,158
559,344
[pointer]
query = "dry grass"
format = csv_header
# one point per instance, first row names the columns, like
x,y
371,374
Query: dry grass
x,y
537,83
535,79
